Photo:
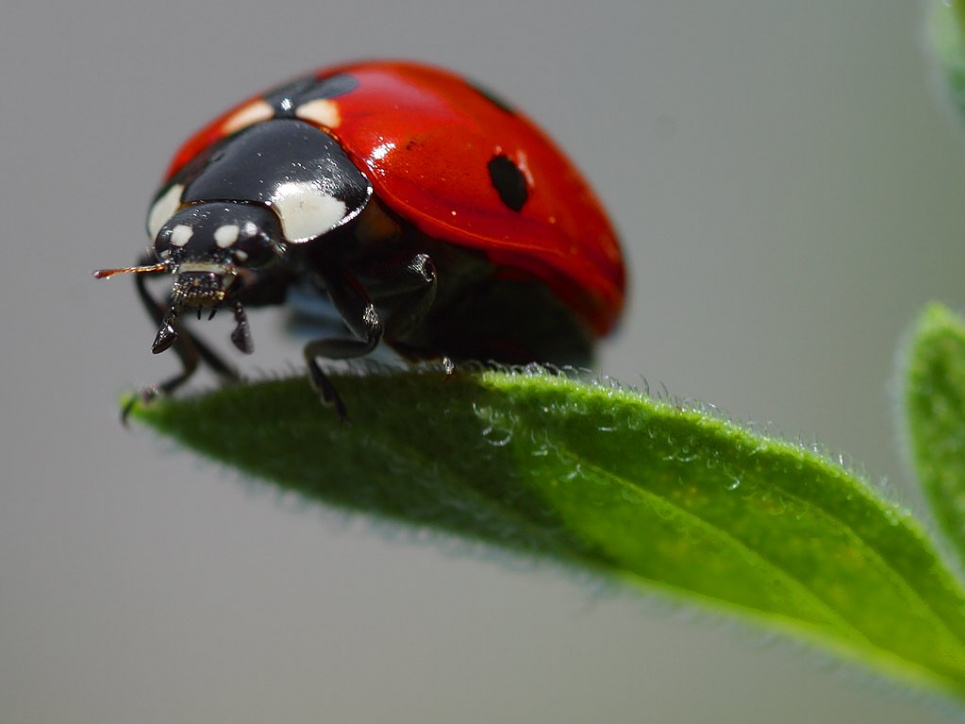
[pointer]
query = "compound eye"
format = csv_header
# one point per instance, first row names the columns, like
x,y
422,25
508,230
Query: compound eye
x,y
250,245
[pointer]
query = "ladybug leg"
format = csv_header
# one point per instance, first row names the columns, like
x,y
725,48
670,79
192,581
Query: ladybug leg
x,y
189,349
419,287
412,309
357,310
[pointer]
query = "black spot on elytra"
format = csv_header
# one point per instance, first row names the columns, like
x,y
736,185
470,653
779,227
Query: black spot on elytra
x,y
508,181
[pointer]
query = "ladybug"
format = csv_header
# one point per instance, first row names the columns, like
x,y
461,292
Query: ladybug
x,y
427,212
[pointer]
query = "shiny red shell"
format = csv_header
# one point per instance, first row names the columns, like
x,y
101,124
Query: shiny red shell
x,y
424,137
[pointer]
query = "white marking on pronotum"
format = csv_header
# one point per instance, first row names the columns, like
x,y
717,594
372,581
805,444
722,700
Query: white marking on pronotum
x,y
322,111
306,212
181,235
226,235
248,115
164,209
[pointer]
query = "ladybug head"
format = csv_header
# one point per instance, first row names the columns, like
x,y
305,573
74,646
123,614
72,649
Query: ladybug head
x,y
207,247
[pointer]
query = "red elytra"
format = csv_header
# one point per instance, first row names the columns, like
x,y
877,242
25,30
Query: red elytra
x,y
424,137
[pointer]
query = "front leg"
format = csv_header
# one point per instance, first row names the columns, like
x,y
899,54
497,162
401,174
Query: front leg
x,y
252,288
187,346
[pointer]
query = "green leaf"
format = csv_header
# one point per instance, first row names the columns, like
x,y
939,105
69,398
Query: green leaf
x,y
593,476
935,412
946,33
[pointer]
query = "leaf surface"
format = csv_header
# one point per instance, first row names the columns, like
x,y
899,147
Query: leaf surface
x,y
590,475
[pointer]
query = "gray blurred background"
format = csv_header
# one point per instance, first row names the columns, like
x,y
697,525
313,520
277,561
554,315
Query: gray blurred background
x,y
789,194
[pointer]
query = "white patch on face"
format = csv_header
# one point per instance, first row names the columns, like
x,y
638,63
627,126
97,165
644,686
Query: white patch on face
x,y
322,111
225,236
306,212
164,209
181,235
203,267
248,115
